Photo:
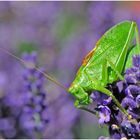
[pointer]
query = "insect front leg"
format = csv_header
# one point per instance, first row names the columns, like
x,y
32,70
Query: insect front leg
x,y
82,97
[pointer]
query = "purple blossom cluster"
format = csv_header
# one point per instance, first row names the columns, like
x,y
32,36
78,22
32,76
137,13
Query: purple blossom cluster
x,y
10,101
22,112
127,92
35,100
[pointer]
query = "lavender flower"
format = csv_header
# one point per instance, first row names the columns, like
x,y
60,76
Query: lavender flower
x,y
27,105
9,109
35,104
127,92
104,114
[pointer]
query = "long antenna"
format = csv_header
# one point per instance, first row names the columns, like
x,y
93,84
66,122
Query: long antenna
x,y
36,68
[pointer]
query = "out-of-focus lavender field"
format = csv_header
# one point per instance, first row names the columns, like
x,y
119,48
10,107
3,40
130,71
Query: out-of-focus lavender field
x,y
54,36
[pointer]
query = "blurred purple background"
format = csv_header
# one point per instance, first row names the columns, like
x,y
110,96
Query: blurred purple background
x,y
61,33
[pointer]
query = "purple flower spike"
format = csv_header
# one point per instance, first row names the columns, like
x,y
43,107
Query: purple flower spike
x,y
138,75
128,94
129,128
120,85
131,79
116,136
138,100
132,90
133,114
34,106
129,71
107,101
30,60
104,114
136,60
129,102
99,97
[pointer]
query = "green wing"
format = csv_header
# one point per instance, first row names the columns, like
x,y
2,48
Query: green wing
x,y
110,45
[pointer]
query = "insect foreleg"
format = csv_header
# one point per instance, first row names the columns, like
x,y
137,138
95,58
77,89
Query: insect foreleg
x,y
80,94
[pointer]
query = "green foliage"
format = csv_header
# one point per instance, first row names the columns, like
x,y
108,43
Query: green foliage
x,y
26,47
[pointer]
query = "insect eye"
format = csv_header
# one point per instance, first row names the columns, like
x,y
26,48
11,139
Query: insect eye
x,y
72,89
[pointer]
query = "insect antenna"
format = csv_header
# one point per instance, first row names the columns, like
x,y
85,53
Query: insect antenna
x,y
36,68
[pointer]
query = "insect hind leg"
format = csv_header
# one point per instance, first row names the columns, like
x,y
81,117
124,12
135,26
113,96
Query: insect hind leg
x,y
108,93
114,69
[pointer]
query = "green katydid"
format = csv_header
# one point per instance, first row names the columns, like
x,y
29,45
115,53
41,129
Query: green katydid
x,y
103,65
